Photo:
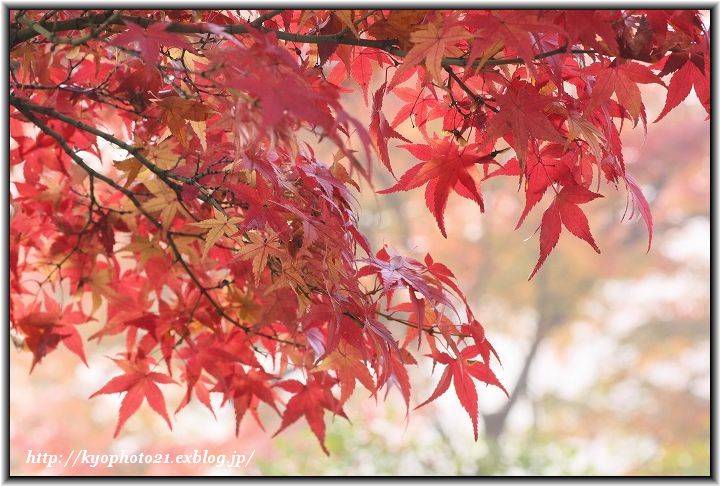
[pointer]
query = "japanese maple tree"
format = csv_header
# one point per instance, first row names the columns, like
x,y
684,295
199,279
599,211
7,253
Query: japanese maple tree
x,y
165,186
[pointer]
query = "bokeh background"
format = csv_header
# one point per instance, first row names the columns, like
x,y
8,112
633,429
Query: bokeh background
x,y
607,356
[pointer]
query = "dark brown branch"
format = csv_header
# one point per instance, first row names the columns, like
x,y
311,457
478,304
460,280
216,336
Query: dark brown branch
x,y
163,175
495,422
430,330
389,46
264,17
41,29
78,160
467,90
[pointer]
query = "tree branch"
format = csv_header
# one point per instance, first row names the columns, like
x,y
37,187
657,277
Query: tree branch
x,y
389,46
495,422
430,330
266,16
467,90
163,175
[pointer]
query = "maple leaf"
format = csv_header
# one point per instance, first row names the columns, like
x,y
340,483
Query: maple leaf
x,y
138,383
310,400
380,129
446,168
100,284
398,376
688,73
217,227
259,249
522,114
515,30
247,390
460,372
593,28
359,67
425,321
430,44
621,79
176,111
361,71
131,166
398,271
44,330
639,202
164,200
282,88
349,368
540,173
200,387
150,39
482,346
399,25
581,129
346,17
565,209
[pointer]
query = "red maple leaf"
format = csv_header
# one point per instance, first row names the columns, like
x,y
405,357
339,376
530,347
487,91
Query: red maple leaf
x,y
593,28
396,271
640,203
689,72
551,165
430,43
461,371
621,79
515,31
44,330
310,400
150,39
138,383
380,129
565,209
247,390
349,367
522,115
363,65
446,168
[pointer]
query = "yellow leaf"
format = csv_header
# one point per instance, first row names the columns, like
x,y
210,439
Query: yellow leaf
x,y
163,154
579,128
488,53
338,171
131,166
99,283
430,44
398,26
145,248
345,16
164,200
218,226
259,249
199,129
177,111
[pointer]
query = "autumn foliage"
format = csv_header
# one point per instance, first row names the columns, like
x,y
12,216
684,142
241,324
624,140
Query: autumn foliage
x,y
165,187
